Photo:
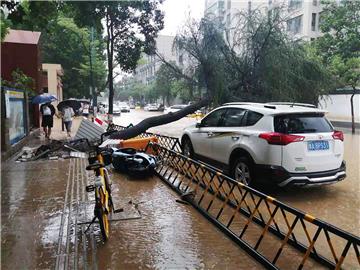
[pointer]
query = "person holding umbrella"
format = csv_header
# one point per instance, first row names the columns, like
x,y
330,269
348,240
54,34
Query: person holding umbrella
x,y
47,113
68,108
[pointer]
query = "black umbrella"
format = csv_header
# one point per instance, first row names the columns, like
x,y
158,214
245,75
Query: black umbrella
x,y
74,104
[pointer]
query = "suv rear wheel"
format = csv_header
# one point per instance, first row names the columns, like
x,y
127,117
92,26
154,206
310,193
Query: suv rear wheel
x,y
241,171
187,148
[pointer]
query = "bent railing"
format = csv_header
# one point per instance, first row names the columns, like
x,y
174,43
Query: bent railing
x,y
165,141
275,234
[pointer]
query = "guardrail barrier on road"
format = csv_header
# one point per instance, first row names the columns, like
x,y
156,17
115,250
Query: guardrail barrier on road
x,y
275,234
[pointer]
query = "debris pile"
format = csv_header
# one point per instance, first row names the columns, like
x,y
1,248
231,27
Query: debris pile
x,y
54,150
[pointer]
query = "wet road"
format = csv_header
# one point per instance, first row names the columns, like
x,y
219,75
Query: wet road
x,y
337,204
38,218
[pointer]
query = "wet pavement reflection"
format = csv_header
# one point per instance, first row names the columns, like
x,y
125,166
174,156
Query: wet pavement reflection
x,y
38,234
168,236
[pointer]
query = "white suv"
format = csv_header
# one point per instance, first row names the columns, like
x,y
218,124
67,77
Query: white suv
x,y
285,143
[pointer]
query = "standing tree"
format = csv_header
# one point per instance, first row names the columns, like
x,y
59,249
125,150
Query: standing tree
x,y
70,45
130,28
340,44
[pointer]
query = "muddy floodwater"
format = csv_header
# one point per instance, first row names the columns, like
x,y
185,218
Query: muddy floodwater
x,y
169,235
42,202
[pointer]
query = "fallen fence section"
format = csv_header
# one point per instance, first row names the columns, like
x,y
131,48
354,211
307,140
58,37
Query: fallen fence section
x,y
275,234
168,142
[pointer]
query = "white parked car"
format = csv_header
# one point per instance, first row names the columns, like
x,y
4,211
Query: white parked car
x,y
124,107
116,110
280,143
174,108
152,107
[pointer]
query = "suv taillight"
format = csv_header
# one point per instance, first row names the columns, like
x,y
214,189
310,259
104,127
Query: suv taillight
x,y
280,139
338,135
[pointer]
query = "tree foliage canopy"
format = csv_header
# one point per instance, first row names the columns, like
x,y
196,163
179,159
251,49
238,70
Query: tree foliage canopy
x,y
340,44
62,42
256,61
130,27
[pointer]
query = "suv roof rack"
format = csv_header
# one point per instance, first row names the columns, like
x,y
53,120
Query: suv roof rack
x,y
242,103
293,104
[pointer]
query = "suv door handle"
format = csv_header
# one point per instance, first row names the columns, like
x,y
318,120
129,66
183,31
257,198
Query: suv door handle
x,y
210,134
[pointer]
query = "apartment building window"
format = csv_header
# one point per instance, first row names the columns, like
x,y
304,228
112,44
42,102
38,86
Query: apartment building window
x,y
321,17
270,2
295,4
294,25
315,2
228,20
181,60
313,22
228,4
221,5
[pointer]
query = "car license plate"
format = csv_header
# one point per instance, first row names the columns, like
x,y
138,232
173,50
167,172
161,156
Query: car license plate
x,y
318,145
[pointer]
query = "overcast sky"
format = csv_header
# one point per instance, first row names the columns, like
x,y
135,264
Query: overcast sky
x,y
176,12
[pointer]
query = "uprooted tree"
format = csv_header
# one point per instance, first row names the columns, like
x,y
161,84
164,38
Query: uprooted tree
x,y
258,63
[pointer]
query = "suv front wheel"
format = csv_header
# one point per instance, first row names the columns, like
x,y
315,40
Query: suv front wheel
x,y
241,170
187,148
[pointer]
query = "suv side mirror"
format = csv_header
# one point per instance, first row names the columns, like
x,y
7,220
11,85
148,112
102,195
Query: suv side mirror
x,y
198,124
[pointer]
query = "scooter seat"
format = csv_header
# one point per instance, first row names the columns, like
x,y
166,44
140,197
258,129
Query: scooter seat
x,y
94,166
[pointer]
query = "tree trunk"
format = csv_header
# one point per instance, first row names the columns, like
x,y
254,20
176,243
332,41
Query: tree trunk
x,y
352,112
110,53
158,120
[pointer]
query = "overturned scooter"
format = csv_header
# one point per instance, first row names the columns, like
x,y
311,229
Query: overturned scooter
x,y
136,164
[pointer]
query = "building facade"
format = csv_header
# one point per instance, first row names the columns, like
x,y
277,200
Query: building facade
x,y
52,80
150,64
302,16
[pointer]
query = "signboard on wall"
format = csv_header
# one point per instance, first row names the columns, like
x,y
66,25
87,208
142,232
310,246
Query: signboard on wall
x,y
15,112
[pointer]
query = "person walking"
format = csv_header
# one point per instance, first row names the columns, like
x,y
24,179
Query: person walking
x,y
47,111
85,111
67,116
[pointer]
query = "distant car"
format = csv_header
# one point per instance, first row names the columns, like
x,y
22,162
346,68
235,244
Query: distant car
x,y
281,143
154,107
132,106
116,110
174,108
124,107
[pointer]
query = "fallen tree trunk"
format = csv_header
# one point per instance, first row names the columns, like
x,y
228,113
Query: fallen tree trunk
x,y
158,121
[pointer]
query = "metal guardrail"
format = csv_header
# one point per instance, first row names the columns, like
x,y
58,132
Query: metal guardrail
x,y
275,234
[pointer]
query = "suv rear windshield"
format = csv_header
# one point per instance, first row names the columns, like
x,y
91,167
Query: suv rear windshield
x,y
301,123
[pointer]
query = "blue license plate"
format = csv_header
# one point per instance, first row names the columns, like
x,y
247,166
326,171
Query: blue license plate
x,y
318,145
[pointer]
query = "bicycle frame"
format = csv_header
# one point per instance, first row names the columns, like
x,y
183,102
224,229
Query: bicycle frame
x,y
102,192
